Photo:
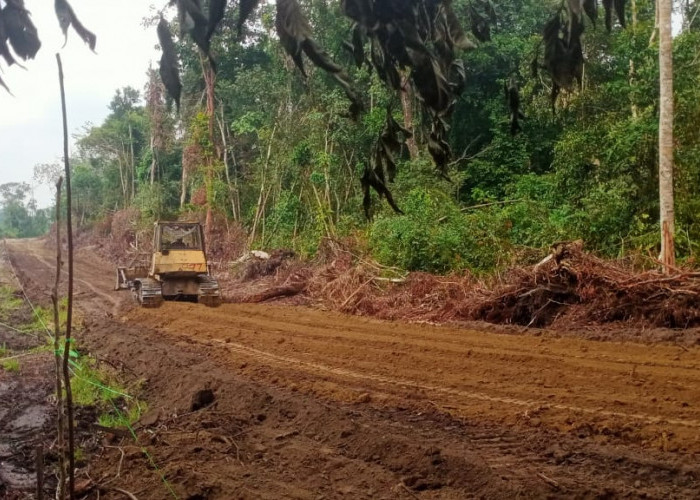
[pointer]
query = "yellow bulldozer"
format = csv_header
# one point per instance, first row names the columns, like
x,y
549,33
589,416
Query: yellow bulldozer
x,y
178,268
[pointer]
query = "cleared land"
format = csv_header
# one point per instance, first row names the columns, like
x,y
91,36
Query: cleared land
x,y
314,404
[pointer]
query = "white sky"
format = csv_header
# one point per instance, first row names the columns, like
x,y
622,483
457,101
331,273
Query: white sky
x,y
30,122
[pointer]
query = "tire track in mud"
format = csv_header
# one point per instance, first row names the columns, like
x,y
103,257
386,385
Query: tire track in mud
x,y
33,248
286,360
653,388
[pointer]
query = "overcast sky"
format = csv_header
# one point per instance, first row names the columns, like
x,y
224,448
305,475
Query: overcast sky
x,y
30,121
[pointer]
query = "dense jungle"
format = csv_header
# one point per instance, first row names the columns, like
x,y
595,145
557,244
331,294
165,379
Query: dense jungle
x,y
273,157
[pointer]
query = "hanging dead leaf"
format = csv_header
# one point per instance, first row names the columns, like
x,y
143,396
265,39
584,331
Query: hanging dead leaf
x,y
20,30
245,9
169,65
66,18
217,9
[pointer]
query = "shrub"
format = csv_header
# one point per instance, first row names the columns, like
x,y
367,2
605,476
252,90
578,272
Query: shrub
x,y
434,236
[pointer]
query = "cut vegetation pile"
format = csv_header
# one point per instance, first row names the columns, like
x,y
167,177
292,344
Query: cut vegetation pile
x,y
568,285
582,288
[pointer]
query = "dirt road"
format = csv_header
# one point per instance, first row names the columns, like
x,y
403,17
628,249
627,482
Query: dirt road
x,y
391,409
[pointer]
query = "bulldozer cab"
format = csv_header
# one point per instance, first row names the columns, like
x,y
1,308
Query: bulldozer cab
x,y
178,236
178,249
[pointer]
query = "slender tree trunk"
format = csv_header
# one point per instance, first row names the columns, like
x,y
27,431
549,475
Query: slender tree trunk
x,y
183,186
406,105
69,312
632,72
224,149
154,162
667,216
60,410
262,198
133,163
210,79
122,179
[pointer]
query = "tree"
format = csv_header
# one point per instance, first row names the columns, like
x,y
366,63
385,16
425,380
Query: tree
x,y
668,258
19,217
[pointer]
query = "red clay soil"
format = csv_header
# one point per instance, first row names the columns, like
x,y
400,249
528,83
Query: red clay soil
x,y
313,404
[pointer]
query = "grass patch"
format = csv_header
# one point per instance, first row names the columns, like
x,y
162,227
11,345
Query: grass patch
x,y
100,387
9,301
10,365
92,386
43,318
119,419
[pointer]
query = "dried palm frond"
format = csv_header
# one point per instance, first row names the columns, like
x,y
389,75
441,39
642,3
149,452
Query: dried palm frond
x,y
371,179
66,18
245,9
4,48
512,93
620,11
217,9
294,31
563,52
590,7
169,66
193,21
20,30
608,6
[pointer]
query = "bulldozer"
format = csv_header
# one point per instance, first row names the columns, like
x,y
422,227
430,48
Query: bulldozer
x,y
178,268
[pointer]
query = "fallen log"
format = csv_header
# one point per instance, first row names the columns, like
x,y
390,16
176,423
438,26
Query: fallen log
x,y
286,290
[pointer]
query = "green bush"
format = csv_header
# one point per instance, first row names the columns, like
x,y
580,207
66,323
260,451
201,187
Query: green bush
x,y
434,236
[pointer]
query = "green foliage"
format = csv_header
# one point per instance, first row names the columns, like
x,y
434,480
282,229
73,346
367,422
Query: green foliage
x,y
435,236
116,418
92,386
294,159
99,387
42,317
19,216
10,365
154,201
9,301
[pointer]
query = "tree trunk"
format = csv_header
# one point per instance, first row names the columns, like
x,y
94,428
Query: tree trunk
x,y
154,163
133,163
224,149
183,186
209,79
262,198
407,107
668,258
632,72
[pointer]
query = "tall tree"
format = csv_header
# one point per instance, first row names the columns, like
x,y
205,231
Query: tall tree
x,y
668,258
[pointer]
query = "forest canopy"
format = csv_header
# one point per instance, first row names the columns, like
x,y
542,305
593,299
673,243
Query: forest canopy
x,y
494,127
